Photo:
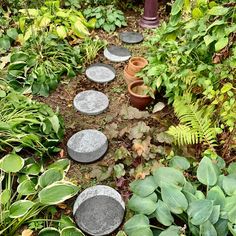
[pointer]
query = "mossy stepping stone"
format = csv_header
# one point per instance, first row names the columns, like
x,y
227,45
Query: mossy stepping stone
x,y
100,73
117,54
87,146
91,102
99,210
131,37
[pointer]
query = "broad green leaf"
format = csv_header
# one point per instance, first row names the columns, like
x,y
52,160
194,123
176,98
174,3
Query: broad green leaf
x,y
19,56
138,225
31,169
143,187
79,29
207,229
214,217
229,184
177,7
18,65
190,197
50,231
163,214
208,39
5,196
12,33
142,205
27,187
180,163
57,192
218,11
71,231
50,176
171,231
221,43
221,227
5,43
232,168
44,22
66,221
199,211
232,228
226,87
55,123
61,31
174,199
169,175
11,163
20,208
217,196
62,164
206,172
230,208
197,13
199,195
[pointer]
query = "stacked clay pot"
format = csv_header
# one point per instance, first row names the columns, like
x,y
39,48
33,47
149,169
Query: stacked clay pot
x,y
135,65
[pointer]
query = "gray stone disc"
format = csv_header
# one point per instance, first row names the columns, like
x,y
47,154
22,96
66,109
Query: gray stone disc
x,y
87,146
99,210
117,54
91,102
100,73
131,37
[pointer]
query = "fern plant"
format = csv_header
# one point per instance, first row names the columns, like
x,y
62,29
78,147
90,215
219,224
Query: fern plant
x,y
196,125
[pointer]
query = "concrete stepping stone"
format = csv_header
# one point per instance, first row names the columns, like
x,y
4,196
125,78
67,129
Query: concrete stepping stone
x,y
100,73
131,37
117,54
87,146
91,102
99,210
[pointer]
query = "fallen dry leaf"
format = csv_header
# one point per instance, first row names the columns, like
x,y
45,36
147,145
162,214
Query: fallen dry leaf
x,y
129,113
27,232
62,206
158,107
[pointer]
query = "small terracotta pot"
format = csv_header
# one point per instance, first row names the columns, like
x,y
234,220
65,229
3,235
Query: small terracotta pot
x,y
129,78
137,99
136,64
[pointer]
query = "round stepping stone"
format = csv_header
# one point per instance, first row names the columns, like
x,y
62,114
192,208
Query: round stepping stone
x,y
91,102
117,54
87,146
100,73
99,210
131,37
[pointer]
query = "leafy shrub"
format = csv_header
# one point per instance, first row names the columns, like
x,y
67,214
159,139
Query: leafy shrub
x,y
25,123
41,62
35,190
108,18
185,206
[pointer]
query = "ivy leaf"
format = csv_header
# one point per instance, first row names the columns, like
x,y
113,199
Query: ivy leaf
x,y
221,43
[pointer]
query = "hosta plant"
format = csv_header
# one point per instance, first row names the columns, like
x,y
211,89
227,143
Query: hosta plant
x,y
107,17
171,202
29,188
27,125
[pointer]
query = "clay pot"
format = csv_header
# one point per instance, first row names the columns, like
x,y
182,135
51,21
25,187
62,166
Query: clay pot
x,y
138,98
136,64
128,77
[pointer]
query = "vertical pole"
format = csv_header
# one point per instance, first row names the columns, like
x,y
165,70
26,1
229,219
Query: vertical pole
x,y
149,19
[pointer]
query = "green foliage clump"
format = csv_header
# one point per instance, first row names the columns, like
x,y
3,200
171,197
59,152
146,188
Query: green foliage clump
x,y
41,62
36,188
184,206
27,124
108,18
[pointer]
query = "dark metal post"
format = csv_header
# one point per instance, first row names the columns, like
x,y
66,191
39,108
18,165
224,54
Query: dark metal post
x,y
149,19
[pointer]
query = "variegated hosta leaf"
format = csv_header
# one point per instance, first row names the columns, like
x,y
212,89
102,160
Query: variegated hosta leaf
x,y
20,208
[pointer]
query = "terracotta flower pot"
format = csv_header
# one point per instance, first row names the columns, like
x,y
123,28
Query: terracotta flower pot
x,y
129,78
136,64
138,98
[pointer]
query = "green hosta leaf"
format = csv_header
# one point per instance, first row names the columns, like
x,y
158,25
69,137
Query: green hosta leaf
x,y
232,168
199,211
174,199
179,162
214,217
177,7
5,43
142,205
18,65
71,231
207,229
61,31
50,231
190,197
229,184
163,214
50,176
138,225
66,221
55,123
11,163
206,172
217,196
62,164
31,169
171,231
197,13
27,187
208,39
143,187
226,87
19,56
169,175
57,192
221,43
221,227
218,11
12,33
230,208
5,196
20,208
79,29
199,195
